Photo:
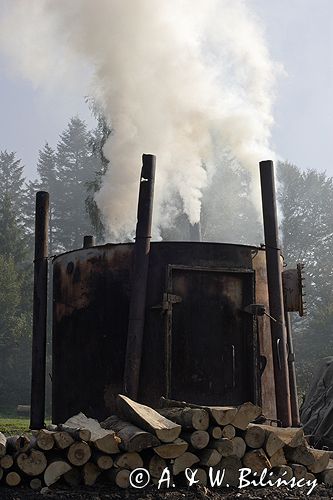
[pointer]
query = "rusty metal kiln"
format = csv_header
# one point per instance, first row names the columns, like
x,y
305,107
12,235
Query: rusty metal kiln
x,y
201,322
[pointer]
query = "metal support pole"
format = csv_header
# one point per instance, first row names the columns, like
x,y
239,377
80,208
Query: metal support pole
x,y
38,368
275,293
292,376
88,241
139,277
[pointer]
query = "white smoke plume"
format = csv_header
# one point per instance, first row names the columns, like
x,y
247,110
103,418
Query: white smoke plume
x,y
182,79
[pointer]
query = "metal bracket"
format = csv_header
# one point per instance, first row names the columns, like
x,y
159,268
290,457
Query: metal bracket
x,y
255,309
168,300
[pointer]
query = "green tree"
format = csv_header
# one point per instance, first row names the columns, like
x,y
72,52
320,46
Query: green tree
x,y
306,200
101,164
12,202
74,170
228,212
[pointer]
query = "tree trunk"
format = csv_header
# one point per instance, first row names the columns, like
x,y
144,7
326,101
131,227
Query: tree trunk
x,y
79,453
149,419
55,470
188,418
90,473
172,450
128,460
198,439
32,463
246,413
132,438
256,460
183,462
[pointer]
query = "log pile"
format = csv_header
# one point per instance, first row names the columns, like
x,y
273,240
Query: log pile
x,y
175,437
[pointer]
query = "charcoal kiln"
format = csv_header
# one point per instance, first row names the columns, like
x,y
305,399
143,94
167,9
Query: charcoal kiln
x,y
197,321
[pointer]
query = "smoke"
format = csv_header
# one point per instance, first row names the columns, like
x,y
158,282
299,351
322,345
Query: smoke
x,y
183,79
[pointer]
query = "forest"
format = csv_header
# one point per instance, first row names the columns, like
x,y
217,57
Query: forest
x,y
73,171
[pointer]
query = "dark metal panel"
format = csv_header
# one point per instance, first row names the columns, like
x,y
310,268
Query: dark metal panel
x,y
211,338
91,300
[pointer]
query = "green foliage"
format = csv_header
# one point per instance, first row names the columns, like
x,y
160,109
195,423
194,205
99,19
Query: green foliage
x,y
306,200
14,335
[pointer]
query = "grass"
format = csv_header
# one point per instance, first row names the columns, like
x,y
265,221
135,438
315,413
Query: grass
x,y
11,425
17,425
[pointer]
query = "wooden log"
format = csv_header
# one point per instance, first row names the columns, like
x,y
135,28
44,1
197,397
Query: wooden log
x,y
103,440
326,476
55,470
149,419
246,413
223,446
6,462
284,472
209,457
221,415
300,455
63,440
231,465
183,462
299,471
197,439
228,431
256,460
171,450
73,477
156,465
35,483
79,453
201,478
132,438
12,479
32,463
215,431
278,458
255,436
128,460
77,433
321,461
239,447
20,443
90,473
1,473
104,462
45,439
120,477
3,444
188,418
278,437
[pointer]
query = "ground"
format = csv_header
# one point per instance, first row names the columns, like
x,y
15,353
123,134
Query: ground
x,y
152,493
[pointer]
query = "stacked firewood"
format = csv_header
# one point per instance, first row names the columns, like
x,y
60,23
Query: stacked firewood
x,y
175,437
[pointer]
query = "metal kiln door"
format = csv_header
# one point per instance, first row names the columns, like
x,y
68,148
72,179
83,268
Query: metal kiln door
x,y
210,340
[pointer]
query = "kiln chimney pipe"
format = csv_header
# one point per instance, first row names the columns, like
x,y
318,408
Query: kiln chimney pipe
x,y
38,367
139,277
275,292
88,241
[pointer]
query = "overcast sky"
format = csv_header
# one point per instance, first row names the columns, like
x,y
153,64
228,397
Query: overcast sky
x,y
299,35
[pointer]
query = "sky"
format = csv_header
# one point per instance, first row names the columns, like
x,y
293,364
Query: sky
x,y
299,35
